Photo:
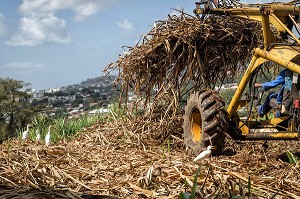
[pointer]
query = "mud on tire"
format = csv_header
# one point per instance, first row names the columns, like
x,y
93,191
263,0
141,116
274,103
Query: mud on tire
x,y
204,121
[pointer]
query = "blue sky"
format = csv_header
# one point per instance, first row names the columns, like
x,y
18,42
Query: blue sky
x,y
51,43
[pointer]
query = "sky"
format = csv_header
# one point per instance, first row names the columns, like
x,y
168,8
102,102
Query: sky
x,y
54,43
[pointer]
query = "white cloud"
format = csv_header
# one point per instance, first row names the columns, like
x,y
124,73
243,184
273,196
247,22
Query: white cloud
x,y
2,25
40,24
22,66
38,29
82,8
125,25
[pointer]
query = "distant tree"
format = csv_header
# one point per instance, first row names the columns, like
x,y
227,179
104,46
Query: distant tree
x,y
38,103
103,97
58,103
79,100
86,91
49,94
60,93
96,95
15,109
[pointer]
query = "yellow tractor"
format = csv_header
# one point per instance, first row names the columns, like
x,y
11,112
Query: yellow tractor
x,y
206,121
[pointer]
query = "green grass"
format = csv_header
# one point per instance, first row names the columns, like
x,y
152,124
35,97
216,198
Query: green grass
x,y
192,195
65,128
292,158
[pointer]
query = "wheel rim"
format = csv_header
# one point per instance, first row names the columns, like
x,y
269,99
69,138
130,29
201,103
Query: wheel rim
x,y
196,127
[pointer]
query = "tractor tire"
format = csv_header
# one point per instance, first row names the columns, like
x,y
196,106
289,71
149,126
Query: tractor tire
x,y
205,122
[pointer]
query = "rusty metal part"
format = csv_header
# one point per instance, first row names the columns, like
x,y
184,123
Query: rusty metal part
x,y
271,136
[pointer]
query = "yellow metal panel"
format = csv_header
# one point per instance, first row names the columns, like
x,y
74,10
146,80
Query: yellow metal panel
x,y
244,128
282,56
291,135
273,122
286,53
266,30
273,136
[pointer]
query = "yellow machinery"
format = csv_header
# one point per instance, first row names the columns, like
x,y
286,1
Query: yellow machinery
x,y
206,121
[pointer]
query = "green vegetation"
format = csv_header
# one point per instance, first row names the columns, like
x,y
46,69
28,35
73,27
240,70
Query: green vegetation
x,y
15,111
192,195
64,128
292,158
61,129
227,95
117,111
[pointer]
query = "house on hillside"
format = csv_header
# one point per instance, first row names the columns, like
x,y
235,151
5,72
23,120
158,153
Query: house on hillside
x,y
38,95
98,111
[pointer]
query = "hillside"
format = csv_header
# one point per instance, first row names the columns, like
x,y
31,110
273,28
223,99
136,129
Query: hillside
x,y
84,96
101,82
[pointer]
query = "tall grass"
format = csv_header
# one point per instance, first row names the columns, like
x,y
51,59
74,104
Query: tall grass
x,y
292,158
65,128
192,195
116,112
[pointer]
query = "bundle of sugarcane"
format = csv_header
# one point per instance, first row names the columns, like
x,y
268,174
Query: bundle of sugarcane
x,y
185,50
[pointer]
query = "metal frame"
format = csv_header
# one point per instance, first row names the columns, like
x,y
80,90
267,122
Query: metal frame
x,y
278,15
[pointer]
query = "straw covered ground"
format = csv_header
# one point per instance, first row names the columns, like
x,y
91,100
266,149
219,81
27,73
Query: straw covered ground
x,y
112,159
